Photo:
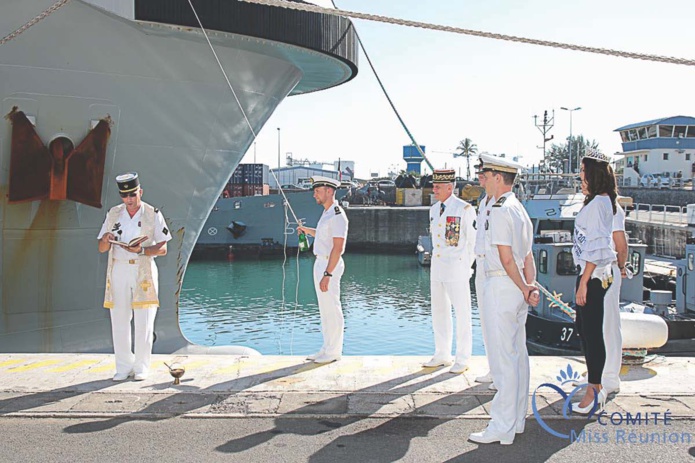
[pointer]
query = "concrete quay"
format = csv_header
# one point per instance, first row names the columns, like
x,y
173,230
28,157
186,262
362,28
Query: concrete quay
x,y
80,385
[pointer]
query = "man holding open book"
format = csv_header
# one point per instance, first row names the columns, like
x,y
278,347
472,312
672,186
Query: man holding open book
x,y
140,234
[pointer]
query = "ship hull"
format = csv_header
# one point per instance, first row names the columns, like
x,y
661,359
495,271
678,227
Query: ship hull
x,y
175,122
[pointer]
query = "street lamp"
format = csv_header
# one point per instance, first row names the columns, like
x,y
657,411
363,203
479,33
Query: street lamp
x,y
278,152
569,164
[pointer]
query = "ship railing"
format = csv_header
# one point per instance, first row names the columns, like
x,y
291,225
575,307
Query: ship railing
x,y
659,213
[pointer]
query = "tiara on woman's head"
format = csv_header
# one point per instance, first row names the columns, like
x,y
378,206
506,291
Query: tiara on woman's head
x,y
596,155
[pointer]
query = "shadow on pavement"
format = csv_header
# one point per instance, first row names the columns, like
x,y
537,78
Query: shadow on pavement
x,y
388,392
184,402
26,402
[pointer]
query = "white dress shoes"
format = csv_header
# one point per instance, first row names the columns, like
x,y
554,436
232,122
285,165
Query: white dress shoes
x,y
487,378
458,368
140,377
602,396
610,389
121,376
488,437
520,428
437,362
324,358
313,356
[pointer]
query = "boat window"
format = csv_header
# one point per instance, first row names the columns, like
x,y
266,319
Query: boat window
x,y
679,131
646,157
651,131
691,131
636,262
632,134
623,136
543,261
237,204
544,225
691,261
565,264
665,130
642,132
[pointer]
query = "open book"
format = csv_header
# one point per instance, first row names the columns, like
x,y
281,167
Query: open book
x,y
134,242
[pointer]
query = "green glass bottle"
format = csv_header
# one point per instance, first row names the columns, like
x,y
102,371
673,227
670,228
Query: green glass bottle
x,y
303,242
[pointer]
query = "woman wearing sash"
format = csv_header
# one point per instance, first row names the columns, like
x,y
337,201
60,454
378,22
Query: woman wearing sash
x,y
593,253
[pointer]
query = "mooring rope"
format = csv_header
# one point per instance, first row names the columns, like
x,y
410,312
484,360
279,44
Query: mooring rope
x,y
458,30
388,98
40,17
556,301
287,205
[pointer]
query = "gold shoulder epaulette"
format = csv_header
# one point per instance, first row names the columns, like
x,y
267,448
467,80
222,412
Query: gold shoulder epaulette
x,y
500,202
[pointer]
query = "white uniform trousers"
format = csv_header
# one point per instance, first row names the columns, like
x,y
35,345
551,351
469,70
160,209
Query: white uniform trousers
x,y
507,355
612,336
479,288
123,280
443,296
330,308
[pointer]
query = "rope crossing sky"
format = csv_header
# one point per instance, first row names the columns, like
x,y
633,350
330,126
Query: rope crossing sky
x,y
488,35
43,15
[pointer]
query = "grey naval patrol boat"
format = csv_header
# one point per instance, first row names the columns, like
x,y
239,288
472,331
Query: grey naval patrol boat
x,y
94,88
257,225
659,324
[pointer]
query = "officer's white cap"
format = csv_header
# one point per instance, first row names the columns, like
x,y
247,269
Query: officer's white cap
x,y
318,180
489,162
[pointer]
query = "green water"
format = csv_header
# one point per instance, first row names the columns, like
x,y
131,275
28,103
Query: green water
x,y
386,304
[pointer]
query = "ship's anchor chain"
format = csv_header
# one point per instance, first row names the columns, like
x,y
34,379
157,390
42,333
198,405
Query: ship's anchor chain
x,y
475,33
43,15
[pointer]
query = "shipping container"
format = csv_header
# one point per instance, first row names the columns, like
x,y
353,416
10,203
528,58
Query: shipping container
x,y
250,174
252,190
427,197
413,197
236,190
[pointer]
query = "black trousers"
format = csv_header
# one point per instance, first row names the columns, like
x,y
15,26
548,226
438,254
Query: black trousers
x,y
589,324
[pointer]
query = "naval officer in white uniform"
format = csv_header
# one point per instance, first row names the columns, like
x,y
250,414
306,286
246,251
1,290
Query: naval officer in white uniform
x,y
509,274
484,208
329,246
612,335
453,239
131,278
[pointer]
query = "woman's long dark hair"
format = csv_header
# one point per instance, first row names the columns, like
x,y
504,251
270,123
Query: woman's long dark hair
x,y
600,179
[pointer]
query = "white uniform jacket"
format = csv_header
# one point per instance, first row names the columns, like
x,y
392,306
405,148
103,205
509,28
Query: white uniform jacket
x,y
453,240
332,224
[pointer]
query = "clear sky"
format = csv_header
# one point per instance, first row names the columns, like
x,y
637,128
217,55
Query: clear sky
x,y
448,87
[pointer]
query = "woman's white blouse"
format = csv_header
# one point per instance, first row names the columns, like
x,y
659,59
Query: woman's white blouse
x,y
593,236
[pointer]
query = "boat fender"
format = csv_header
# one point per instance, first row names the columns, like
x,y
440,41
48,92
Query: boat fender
x,y
641,330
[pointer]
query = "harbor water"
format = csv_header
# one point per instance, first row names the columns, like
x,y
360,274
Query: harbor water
x,y
262,304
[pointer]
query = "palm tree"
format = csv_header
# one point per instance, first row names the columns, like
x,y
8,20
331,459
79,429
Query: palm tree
x,y
468,149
